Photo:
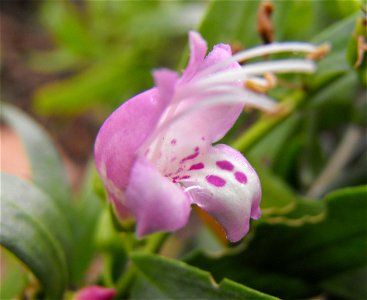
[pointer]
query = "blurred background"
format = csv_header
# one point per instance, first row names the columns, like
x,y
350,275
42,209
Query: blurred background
x,y
70,63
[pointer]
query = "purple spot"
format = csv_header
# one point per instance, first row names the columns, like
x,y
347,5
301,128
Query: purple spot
x,y
197,166
173,142
240,177
175,178
203,138
196,149
215,180
178,178
225,165
191,156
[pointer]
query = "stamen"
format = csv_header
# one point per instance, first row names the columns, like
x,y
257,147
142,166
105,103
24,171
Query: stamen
x,y
260,51
271,79
274,48
193,187
196,89
220,88
238,96
279,66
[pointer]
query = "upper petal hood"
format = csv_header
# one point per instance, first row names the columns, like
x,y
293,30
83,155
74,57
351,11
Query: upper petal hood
x,y
120,137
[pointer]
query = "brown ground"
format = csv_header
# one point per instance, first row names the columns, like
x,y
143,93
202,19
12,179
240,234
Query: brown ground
x,y
20,32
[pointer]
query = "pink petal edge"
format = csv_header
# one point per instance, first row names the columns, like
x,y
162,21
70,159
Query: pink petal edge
x,y
95,292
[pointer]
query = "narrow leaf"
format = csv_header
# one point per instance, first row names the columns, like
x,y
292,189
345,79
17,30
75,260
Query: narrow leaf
x,y
35,230
47,169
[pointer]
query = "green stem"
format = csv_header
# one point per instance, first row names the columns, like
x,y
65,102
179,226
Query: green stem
x,y
254,134
153,244
123,284
107,278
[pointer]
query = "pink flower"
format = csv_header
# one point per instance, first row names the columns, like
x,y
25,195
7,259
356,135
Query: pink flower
x,y
155,153
95,293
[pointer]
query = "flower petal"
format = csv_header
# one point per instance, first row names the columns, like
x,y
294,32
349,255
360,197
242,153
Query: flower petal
x,y
165,80
198,50
225,185
120,137
212,122
200,128
220,53
157,203
95,292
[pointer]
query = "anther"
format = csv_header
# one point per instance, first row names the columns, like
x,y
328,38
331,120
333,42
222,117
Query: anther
x,y
270,82
361,49
236,47
319,52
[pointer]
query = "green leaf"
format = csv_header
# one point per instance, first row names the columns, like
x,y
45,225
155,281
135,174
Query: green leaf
x,y
163,278
231,21
47,168
165,20
305,211
338,34
277,197
342,88
36,231
58,60
13,277
106,82
349,285
306,255
300,20
335,63
109,21
85,220
65,24
273,144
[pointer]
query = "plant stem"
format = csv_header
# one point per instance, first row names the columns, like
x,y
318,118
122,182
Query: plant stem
x,y
254,134
153,244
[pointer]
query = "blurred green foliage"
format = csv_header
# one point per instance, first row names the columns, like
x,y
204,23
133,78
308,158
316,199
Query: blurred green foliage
x,y
110,48
51,232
